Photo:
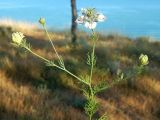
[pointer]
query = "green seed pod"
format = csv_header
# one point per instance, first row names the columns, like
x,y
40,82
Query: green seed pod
x,y
42,21
143,59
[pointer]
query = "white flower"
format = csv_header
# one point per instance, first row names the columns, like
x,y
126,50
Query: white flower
x,y
100,17
90,25
89,18
17,37
80,20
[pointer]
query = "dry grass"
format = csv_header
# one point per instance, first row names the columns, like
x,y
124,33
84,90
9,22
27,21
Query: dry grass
x,y
18,25
21,101
31,91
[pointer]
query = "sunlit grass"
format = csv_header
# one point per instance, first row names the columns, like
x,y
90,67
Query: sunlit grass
x,y
28,98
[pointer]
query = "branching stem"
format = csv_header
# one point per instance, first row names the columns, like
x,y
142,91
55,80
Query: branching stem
x,y
67,71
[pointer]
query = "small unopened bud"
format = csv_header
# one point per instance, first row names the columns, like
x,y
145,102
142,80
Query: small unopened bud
x,y
143,59
42,21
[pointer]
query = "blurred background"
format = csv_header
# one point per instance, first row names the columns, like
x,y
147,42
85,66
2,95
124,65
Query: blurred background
x,y
30,90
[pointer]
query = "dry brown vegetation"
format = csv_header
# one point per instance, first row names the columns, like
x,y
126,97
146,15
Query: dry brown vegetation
x,y
29,90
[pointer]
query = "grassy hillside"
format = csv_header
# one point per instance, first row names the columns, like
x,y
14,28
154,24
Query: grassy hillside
x,y
29,90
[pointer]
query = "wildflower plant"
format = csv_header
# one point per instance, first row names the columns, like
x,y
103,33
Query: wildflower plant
x,y
89,18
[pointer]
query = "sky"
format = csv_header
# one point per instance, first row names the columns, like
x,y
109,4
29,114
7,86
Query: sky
x,y
64,3
130,17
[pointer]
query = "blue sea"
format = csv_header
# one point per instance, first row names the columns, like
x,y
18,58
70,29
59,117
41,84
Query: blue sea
x,y
133,18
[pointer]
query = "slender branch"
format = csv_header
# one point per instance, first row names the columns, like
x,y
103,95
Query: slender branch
x,y
92,55
92,95
75,76
92,62
51,42
67,71
44,59
90,117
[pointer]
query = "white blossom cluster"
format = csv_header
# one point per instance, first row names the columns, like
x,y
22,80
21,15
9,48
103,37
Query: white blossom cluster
x,y
89,18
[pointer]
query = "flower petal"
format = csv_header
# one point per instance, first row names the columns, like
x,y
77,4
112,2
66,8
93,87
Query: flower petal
x,y
90,25
100,17
80,20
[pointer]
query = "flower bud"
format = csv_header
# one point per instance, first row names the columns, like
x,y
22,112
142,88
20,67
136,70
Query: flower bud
x,y
42,21
143,59
17,37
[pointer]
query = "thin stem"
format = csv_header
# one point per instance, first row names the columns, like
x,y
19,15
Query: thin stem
x,y
51,42
91,91
92,62
75,76
46,60
90,117
67,71
91,70
92,56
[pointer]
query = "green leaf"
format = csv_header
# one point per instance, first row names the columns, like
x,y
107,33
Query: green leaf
x,y
86,92
85,78
103,117
91,107
100,87
88,59
91,59
50,63
61,62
